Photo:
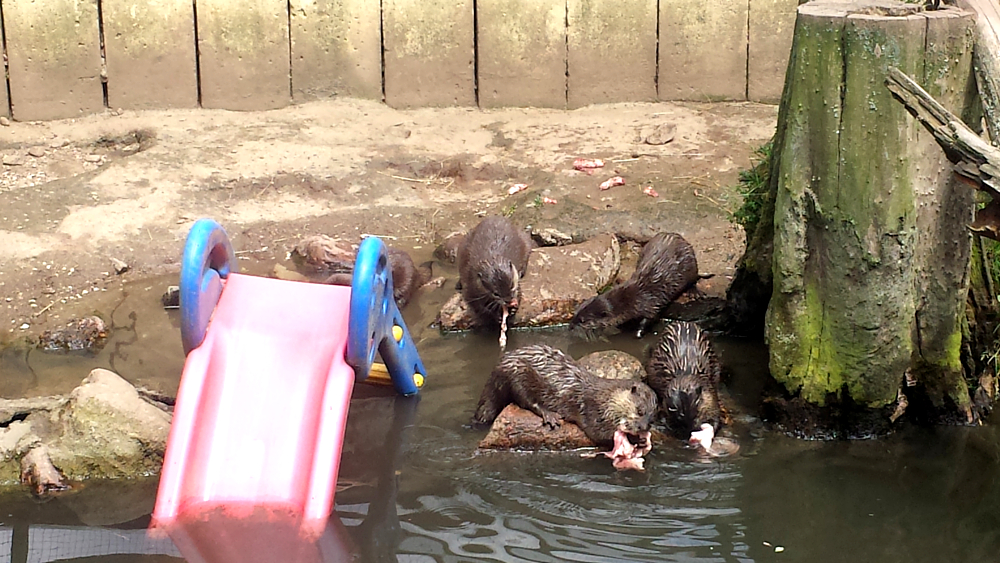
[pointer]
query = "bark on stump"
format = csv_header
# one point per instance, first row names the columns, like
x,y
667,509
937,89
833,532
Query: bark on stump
x,y
870,245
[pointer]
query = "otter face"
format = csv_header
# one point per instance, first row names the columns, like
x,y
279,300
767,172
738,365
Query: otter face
x,y
593,313
639,402
501,288
682,409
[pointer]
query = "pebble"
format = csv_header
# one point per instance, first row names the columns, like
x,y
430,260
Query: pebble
x,y
36,151
58,143
13,160
93,158
4,121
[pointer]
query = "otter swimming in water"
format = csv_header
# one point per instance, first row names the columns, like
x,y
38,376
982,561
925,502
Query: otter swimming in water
x,y
667,267
684,372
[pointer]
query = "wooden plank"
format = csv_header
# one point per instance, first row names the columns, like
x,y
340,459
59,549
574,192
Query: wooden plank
x,y
703,50
243,46
771,25
612,51
54,57
429,53
336,49
522,53
149,46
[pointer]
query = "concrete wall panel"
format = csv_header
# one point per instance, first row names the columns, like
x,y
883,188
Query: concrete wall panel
x,y
244,54
54,53
149,45
703,50
612,51
771,26
336,49
429,53
522,53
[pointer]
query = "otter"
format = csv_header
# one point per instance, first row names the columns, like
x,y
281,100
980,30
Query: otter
x,y
684,372
491,260
407,278
549,383
667,267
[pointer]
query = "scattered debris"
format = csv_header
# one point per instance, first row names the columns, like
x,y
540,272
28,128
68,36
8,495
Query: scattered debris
x,y
78,334
517,188
588,165
612,182
119,266
648,190
549,200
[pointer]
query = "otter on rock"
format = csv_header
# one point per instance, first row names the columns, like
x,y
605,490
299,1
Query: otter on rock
x,y
684,372
549,383
491,260
667,267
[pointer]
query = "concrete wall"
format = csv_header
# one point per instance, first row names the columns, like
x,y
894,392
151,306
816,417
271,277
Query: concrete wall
x,y
4,99
261,54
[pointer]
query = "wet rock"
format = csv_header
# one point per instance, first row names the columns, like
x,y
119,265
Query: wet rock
x,y
37,152
87,333
613,364
558,279
107,430
518,429
171,298
38,472
447,251
320,253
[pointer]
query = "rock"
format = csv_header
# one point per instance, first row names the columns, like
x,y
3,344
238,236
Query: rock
x,y
94,158
37,152
552,237
558,279
119,266
613,364
171,298
58,143
13,160
662,134
320,253
518,429
107,430
4,121
78,334
447,251
38,472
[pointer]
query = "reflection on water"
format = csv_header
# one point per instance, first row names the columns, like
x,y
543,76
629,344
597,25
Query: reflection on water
x,y
413,489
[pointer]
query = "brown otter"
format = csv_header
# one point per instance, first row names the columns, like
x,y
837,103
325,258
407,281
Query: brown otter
x,y
491,261
407,278
549,383
684,372
667,267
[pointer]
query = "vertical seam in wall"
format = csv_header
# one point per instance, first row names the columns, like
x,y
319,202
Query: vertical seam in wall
x,y
923,69
197,50
566,40
656,77
843,98
746,82
475,51
6,64
104,55
381,42
288,13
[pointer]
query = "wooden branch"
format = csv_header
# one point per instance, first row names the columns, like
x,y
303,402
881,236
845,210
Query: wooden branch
x,y
974,158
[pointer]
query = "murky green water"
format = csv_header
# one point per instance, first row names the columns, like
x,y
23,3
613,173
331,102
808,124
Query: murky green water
x,y
412,488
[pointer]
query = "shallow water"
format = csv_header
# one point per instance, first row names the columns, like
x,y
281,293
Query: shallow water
x,y
412,488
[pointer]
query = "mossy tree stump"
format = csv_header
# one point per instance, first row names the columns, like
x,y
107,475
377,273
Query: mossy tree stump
x,y
869,246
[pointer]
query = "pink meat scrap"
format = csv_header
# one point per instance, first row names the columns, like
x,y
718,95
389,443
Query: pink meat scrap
x,y
625,455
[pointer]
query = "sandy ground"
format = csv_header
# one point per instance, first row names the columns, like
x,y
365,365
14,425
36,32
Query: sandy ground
x,y
76,194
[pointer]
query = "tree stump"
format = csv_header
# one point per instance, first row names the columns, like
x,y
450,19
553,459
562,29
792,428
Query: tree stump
x,y
870,243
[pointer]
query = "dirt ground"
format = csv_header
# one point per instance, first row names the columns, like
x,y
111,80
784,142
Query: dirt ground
x,y
75,195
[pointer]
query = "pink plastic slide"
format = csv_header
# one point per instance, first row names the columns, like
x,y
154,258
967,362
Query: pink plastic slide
x,y
254,450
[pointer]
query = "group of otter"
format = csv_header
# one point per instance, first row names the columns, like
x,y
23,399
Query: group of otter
x,y
682,371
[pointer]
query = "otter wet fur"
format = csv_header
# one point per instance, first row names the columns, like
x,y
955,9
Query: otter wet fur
x,y
667,268
407,278
491,260
684,372
549,383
